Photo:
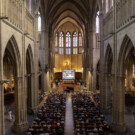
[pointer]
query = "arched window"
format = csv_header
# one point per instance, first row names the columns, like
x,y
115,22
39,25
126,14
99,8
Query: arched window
x,y
75,45
109,4
107,8
80,43
133,69
56,43
61,43
68,43
97,22
39,21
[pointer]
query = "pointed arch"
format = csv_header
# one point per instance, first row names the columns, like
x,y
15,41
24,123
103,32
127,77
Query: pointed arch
x,y
30,53
13,50
108,59
30,80
126,50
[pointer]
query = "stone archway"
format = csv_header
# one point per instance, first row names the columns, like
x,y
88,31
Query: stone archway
x,y
118,120
30,79
13,51
108,79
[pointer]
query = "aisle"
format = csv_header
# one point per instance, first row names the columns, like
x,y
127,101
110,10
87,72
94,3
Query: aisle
x,y
69,126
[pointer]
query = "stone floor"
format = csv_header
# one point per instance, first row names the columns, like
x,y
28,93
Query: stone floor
x,y
129,120
69,123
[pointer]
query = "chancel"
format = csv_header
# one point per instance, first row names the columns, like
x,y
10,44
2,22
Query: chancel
x,y
67,67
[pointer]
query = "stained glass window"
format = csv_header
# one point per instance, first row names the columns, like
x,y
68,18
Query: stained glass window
x,y
68,50
80,39
75,50
133,69
68,40
56,43
80,43
74,39
56,40
61,50
61,43
68,43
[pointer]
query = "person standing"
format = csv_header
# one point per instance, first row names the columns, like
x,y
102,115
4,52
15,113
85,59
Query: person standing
x,y
10,115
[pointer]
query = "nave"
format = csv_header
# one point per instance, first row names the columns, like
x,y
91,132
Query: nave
x,y
69,114
76,113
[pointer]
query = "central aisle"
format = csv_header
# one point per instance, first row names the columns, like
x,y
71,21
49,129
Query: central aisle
x,y
69,126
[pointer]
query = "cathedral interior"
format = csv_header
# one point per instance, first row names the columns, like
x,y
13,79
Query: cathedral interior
x,y
67,67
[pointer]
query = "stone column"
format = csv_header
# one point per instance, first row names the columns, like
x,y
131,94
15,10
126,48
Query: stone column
x,y
2,121
107,98
35,76
46,44
118,123
90,54
21,123
42,58
101,79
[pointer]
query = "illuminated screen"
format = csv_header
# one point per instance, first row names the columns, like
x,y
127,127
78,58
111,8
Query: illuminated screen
x,y
68,74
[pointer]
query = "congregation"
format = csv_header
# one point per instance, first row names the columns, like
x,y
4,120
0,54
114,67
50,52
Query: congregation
x,y
88,120
51,116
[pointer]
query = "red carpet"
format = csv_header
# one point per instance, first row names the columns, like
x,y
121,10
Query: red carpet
x,y
68,85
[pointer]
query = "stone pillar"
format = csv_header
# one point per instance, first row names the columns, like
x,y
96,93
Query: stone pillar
x,y
107,98
118,123
42,59
21,123
35,76
2,121
46,44
101,79
42,83
90,54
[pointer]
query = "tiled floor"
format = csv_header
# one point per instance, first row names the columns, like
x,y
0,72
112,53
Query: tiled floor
x,y
69,123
